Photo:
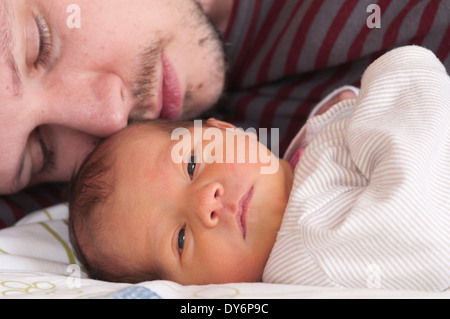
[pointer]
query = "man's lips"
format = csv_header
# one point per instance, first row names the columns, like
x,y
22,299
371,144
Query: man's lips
x,y
241,215
171,96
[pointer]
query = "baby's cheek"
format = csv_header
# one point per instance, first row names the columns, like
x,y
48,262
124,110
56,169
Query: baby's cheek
x,y
230,262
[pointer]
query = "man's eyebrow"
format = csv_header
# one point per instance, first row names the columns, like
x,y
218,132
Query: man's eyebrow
x,y
7,44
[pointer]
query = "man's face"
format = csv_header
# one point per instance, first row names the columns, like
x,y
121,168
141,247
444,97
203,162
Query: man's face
x,y
74,74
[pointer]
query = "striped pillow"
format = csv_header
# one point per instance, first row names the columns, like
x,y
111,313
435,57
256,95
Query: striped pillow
x,y
14,207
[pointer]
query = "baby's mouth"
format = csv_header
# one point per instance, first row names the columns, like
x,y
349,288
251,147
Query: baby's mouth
x,y
243,210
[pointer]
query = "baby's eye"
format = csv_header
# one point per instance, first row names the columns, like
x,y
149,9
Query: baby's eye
x,y
191,166
181,238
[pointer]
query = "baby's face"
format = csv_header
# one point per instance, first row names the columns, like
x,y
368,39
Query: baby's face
x,y
200,220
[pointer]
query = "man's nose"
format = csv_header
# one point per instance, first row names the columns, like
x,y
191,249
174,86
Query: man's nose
x,y
208,204
93,104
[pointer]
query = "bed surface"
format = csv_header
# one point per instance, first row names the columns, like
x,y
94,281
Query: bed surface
x,y
37,261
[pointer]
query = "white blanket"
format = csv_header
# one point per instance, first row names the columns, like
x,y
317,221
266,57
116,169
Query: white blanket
x,y
36,261
370,206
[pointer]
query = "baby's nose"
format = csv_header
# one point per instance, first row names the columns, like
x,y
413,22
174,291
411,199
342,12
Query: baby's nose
x,y
209,203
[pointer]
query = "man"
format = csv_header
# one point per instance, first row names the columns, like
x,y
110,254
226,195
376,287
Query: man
x,y
63,87
142,59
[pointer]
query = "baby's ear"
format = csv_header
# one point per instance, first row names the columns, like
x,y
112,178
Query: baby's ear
x,y
219,124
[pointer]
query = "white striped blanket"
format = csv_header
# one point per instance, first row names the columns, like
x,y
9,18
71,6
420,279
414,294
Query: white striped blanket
x,y
370,205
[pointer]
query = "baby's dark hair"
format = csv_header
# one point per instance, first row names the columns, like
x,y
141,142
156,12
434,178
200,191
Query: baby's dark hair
x,y
89,190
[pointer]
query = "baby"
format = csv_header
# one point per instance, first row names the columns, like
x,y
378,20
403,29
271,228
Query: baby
x,y
350,205
139,213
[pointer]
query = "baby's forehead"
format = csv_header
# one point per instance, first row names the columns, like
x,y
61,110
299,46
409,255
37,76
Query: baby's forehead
x,y
139,136
140,131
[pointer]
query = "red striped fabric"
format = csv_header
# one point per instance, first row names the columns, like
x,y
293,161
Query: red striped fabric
x,y
333,32
290,59
259,41
392,31
16,210
299,39
357,45
268,60
14,207
40,199
249,34
317,91
232,19
242,105
269,111
426,22
444,49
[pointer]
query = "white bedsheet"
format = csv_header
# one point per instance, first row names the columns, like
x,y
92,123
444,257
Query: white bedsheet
x,y
37,261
